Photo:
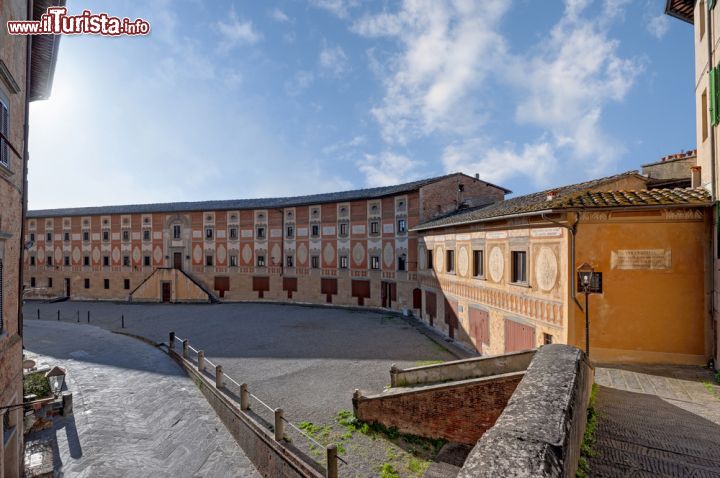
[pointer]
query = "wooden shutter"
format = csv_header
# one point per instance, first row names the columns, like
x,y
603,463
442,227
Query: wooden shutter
x,y
711,4
714,96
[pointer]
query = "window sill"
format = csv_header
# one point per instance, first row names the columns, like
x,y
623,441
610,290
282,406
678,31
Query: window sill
x,y
5,170
480,278
524,285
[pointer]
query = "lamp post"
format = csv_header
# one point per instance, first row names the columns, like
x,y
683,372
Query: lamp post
x,y
56,377
585,274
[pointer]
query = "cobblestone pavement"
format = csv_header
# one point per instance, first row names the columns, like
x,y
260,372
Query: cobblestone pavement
x,y
659,421
305,360
135,411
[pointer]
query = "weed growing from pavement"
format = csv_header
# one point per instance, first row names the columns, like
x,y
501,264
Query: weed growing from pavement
x,y
586,450
711,390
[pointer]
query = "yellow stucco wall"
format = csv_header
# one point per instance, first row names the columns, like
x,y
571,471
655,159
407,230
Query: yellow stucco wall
x,y
644,314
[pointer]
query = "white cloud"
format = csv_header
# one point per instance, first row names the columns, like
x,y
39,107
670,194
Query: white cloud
x,y
302,80
388,168
536,161
235,32
278,15
342,146
656,22
448,48
339,8
334,61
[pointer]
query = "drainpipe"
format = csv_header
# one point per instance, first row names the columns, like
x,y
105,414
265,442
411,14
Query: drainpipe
x,y
709,34
26,136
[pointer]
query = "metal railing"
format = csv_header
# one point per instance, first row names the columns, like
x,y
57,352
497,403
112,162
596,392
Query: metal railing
x,y
204,365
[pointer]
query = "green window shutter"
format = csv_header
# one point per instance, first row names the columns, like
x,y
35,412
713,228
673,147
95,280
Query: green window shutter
x,y
711,4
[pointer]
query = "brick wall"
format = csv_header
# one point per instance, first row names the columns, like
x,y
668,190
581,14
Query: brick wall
x,y
442,197
458,412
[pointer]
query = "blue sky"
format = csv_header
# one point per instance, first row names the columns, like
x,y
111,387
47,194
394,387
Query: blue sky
x,y
249,98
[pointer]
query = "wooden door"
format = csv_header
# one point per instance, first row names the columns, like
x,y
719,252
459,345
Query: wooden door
x,y
518,336
67,287
166,291
177,260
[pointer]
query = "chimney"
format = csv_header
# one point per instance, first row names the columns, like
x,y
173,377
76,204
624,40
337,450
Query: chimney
x,y
695,177
477,175
551,195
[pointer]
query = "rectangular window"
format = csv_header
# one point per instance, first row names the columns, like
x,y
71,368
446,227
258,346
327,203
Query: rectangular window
x,y
146,235
450,261
106,236
315,230
547,339
429,260
290,231
260,232
402,225
126,284
66,236
126,261
106,261
106,284
261,261
49,236
344,262
401,262
2,281
374,262
233,233
32,260
86,236
289,261
50,282
478,265
146,261
4,150
343,229
67,260
87,283
233,261
126,236
49,260
374,227
177,231
208,260
86,261
519,267
208,233
32,282
315,262
32,237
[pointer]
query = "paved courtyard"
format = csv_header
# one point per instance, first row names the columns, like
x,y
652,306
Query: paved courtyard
x,y
660,421
305,360
135,411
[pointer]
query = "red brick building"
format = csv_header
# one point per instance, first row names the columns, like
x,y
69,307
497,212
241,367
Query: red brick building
x,y
348,248
26,73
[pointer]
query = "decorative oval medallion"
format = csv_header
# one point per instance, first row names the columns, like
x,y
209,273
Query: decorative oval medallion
x,y
546,269
329,253
388,255
157,254
302,254
221,253
438,259
358,253
463,261
497,264
197,253
246,254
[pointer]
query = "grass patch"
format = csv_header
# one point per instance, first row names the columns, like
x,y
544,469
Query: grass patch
x,y
586,450
36,384
387,470
421,363
711,390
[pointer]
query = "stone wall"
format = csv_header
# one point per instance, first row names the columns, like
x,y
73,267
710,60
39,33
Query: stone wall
x,y
540,432
462,369
458,411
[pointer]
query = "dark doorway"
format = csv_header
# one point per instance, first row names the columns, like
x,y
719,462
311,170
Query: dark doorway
x,y
177,260
388,293
67,287
166,291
